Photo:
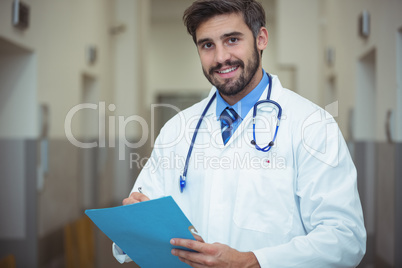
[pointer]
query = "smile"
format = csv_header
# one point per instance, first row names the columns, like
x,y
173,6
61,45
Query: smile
x,y
228,70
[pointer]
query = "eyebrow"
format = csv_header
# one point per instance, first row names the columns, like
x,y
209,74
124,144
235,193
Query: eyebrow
x,y
231,34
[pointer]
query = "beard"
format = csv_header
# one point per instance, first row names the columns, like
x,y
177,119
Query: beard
x,y
232,86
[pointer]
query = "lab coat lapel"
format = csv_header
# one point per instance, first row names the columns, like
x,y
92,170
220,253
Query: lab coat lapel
x,y
215,134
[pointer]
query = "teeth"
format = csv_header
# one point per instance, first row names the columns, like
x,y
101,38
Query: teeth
x,y
227,70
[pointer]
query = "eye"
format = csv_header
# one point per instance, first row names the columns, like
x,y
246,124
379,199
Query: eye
x,y
207,45
233,40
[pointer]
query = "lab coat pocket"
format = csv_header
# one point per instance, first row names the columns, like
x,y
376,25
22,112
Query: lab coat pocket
x,y
265,201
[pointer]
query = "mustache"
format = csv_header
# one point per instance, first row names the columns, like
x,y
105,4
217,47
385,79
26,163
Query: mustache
x,y
227,63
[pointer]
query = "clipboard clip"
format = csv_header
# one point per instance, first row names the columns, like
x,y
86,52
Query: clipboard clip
x,y
195,233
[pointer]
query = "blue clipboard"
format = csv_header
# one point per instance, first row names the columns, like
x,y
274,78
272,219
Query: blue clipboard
x,y
143,230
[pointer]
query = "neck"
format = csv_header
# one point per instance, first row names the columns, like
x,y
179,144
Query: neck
x,y
232,100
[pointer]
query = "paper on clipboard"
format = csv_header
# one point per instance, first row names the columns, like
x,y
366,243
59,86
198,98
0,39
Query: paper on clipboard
x,y
144,230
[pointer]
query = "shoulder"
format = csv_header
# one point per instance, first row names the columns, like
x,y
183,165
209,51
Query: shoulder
x,y
302,116
297,105
299,109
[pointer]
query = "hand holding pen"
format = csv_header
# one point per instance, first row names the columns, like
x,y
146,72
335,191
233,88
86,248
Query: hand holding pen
x,y
135,197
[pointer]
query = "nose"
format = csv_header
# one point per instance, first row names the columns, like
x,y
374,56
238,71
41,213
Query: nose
x,y
221,54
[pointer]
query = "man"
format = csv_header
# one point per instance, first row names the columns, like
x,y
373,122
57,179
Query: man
x,y
296,205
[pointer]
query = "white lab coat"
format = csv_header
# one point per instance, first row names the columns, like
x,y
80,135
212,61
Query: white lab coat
x,y
301,209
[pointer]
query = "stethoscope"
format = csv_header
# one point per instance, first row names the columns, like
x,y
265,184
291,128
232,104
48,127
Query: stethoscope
x,y
183,177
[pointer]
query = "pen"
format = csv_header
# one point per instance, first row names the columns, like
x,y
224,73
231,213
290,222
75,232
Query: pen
x,y
140,190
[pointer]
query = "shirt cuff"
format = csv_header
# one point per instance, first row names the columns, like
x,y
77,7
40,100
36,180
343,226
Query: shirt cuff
x,y
261,256
120,255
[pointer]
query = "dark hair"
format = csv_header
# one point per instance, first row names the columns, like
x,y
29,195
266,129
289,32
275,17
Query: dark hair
x,y
202,10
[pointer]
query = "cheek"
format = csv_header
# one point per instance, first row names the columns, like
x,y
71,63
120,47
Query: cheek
x,y
206,61
241,53
248,56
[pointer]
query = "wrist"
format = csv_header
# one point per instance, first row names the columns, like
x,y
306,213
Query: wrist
x,y
249,260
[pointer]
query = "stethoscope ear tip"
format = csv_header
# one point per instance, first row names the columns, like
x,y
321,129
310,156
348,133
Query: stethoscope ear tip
x,y
253,142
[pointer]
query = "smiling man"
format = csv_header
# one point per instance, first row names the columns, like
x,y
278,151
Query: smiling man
x,y
230,56
250,211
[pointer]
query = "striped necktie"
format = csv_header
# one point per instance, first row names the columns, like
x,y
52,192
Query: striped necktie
x,y
228,117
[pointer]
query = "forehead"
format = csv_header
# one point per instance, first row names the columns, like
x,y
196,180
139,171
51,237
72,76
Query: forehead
x,y
222,24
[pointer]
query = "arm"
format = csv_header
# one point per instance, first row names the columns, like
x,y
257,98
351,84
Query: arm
x,y
329,205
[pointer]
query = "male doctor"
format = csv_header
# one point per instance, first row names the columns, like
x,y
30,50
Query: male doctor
x,y
296,205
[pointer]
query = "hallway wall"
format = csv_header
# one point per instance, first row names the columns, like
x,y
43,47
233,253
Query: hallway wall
x,y
56,42
59,34
365,73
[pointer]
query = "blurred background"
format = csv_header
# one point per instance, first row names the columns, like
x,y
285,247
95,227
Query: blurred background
x,y
123,57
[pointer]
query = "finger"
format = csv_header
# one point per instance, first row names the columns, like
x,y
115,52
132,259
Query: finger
x,y
193,259
194,245
198,238
135,198
129,200
191,263
139,197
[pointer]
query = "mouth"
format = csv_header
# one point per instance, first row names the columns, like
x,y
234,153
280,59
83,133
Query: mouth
x,y
228,70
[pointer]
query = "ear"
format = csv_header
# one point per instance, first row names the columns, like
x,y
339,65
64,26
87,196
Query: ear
x,y
262,39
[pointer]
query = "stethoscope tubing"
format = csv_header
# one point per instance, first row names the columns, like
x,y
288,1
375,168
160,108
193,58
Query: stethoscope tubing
x,y
183,177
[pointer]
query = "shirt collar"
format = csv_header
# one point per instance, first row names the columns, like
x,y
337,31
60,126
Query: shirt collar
x,y
243,106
